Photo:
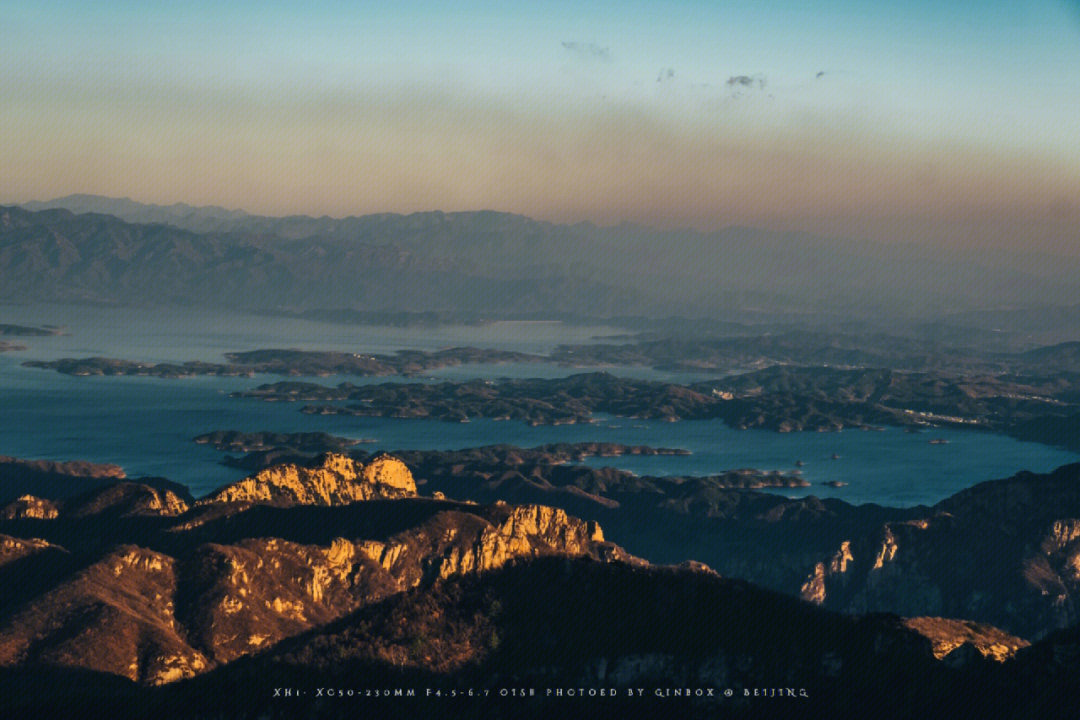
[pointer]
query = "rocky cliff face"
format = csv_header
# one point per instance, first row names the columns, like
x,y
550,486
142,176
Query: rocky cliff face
x,y
129,580
959,641
332,480
204,608
126,499
1005,552
244,597
115,616
12,549
29,506
562,623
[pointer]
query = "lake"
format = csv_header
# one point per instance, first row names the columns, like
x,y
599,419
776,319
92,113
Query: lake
x,y
146,425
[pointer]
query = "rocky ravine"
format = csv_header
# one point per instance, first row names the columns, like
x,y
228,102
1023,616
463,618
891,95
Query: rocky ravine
x,y
139,582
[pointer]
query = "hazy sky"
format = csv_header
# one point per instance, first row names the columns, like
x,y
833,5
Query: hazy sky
x,y
889,119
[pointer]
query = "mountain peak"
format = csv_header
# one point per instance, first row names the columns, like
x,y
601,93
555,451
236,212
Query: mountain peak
x,y
332,479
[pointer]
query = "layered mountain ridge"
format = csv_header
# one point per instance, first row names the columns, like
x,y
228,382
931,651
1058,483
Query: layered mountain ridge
x,y
135,581
489,264
334,571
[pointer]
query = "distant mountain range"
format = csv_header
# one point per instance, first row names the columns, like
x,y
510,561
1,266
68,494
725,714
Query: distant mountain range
x,y
88,248
205,218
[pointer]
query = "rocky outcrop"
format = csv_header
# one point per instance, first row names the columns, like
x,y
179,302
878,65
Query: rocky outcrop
x,y
238,599
1006,553
12,548
114,616
128,499
526,532
559,624
155,591
330,480
813,590
252,595
418,590
949,635
124,499
29,507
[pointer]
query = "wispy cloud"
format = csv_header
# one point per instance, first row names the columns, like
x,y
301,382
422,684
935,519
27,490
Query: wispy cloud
x,y
748,82
587,50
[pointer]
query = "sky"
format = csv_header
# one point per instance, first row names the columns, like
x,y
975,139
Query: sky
x,y
950,122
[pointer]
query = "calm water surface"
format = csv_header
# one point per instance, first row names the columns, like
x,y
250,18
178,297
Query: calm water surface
x,y
146,424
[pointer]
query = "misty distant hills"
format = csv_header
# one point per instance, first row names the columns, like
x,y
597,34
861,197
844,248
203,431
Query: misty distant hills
x,y
55,255
206,218
495,264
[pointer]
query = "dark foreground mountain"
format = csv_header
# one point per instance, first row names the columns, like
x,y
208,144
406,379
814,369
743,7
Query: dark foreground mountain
x,y
305,590
1004,552
138,582
51,478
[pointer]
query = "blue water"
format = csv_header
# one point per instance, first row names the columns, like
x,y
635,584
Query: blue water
x,y
163,335
146,424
